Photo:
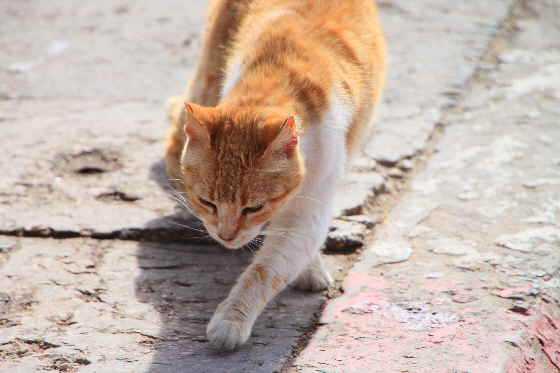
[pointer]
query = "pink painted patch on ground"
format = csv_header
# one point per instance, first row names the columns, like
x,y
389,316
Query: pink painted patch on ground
x,y
547,330
539,350
378,325
441,284
524,363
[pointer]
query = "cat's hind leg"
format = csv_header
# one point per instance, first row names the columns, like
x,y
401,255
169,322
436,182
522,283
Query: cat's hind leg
x,y
224,19
315,277
175,138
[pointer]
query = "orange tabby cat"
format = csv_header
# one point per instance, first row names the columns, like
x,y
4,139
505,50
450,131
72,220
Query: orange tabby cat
x,y
284,92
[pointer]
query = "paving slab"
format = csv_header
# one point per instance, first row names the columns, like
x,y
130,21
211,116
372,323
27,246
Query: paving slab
x,y
109,50
434,49
120,306
85,169
83,88
480,291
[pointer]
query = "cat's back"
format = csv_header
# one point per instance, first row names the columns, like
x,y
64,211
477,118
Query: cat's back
x,y
324,55
334,44
350,22
342,36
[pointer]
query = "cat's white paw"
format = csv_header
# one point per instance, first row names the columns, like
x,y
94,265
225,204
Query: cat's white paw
x,y
225,333
314,278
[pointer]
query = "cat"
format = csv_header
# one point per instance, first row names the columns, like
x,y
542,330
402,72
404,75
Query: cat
x,y
283,96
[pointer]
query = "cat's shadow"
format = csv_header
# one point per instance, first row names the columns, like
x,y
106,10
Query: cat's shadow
x,y
185,281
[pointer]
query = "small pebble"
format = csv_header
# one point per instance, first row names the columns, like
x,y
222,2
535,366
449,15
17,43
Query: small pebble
x,y
364,163
396,173
406,165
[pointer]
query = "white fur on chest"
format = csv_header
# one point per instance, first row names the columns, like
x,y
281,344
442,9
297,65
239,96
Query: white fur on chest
x,y
323,145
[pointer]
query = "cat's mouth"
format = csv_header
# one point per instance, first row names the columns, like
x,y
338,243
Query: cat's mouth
x,y
235,244
232,244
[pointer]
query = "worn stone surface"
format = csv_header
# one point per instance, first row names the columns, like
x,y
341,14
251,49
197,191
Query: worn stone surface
x,y
83,88
94,170
96,51
345,236
485,270
391,252
124,306
357,189
82,112
425,77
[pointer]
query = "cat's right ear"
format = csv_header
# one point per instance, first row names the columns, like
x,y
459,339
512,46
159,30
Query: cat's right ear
x,y
285,139
195,125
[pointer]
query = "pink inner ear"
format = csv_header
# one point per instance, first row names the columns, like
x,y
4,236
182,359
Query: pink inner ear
x,y
281,137
291,124
291,146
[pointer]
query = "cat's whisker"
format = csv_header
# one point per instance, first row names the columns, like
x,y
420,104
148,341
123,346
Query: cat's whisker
x,y
311,199
250,246
183,204
286,232
269,233
182,201
277,234
188,227
259,240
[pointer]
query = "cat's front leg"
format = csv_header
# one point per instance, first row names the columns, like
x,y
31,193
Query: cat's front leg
x,y
295,238
275,266
230,325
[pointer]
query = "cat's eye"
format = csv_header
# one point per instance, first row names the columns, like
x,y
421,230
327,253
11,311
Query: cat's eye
x,y
253,209
209,204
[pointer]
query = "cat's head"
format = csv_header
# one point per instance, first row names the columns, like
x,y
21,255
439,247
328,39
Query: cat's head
x,y
238,169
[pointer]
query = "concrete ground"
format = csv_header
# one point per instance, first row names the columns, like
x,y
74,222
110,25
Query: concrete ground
x,y
446,248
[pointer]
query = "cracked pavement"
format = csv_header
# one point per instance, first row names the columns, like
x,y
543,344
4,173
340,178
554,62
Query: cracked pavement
x,y
448,236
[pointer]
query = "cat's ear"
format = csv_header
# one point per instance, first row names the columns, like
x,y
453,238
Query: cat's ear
x,y
196,124
283,139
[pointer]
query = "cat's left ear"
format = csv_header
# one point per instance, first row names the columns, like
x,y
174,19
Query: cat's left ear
x,y
196,126
286,139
